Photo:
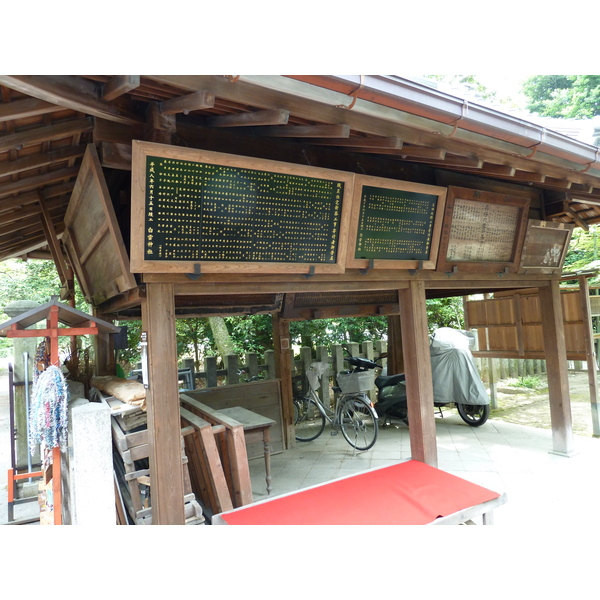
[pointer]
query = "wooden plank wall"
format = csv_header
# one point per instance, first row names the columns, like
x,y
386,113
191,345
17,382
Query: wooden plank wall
x,y
511,326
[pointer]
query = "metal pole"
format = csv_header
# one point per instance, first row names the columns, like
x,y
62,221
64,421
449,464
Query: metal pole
x,y
26,378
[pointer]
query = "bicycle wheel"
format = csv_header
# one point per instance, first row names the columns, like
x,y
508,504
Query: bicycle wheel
x,y
309,422
358,422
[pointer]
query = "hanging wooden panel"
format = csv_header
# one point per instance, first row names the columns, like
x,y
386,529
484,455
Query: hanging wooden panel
x,y
92,237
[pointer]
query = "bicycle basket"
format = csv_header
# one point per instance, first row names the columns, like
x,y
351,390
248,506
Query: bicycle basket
x,y
361,381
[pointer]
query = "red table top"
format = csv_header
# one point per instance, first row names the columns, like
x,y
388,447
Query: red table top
x,y
409,493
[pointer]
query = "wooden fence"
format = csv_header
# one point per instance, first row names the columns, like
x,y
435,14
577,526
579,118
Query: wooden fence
x,y
238,369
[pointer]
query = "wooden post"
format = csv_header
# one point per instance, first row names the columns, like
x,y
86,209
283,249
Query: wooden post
x,y
395,360
417,366
283,365
556,358
588,331
162,400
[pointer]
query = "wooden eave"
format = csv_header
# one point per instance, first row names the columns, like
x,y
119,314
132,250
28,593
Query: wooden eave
x,y
380,125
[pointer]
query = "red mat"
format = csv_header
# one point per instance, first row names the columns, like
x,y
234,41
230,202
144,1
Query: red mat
x,y
409,493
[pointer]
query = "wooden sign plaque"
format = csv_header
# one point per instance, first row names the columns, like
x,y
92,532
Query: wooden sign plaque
x,y
195,211
395,224
483,232
546,245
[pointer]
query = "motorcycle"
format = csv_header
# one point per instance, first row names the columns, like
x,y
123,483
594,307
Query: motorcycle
x,y
456,381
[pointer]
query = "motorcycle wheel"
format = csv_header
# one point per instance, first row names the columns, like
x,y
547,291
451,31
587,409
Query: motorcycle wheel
x,y
309,422
474,414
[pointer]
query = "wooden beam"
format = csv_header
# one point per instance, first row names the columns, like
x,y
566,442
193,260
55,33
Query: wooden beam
x,y
27,163
571,213
188,103
29,245
419,382
19,202
23,109
259,117
422,152
70,91
304,131
109,131
162,399
30,215
529,176
65,273
116,156
119,85
556,361
30,183
358,143
31,137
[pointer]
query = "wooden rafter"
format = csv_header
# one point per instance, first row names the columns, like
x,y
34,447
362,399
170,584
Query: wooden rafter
x,y
76,93
185,104
259,117
31,183
358,143
47,133
305,131
119,85
43,159
64,271
22,109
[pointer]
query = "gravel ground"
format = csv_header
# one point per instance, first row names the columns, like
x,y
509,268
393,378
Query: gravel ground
x,y
531,407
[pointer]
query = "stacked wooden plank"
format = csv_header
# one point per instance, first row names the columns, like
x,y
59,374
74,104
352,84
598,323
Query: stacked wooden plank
x,y
218,460
134,477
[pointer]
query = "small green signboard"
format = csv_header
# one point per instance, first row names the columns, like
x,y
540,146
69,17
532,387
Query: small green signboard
x,y
395,224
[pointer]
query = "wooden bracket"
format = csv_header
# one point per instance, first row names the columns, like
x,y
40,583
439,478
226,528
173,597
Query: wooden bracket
x,y
454,270
501,273
310,273
196,274
419,268
371,265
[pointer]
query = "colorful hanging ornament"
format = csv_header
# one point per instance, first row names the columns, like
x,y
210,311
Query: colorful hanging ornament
x,y
48,416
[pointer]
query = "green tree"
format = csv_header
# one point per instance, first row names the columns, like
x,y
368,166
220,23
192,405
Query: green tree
x,y
563,96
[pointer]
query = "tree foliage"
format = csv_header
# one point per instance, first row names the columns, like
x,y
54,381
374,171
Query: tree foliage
x,y
563,96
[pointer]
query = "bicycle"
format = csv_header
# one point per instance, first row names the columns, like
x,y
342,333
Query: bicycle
x,y
353,414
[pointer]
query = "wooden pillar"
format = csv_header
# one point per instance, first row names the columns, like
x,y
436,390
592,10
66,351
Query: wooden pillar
x,y
588,332
162,400
556,359
417,366
395,358
283,369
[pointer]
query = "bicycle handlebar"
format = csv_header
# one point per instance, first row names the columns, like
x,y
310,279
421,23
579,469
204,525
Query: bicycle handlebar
x,y
362,363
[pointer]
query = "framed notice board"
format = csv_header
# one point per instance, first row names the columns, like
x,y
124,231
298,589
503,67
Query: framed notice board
x,y
483,232
195,211
395,224
545,247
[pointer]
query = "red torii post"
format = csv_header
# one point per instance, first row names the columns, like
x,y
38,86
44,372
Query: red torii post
x,y
52,332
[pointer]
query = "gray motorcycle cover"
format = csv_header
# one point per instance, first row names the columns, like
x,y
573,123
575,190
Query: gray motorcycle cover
x,y
455,375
